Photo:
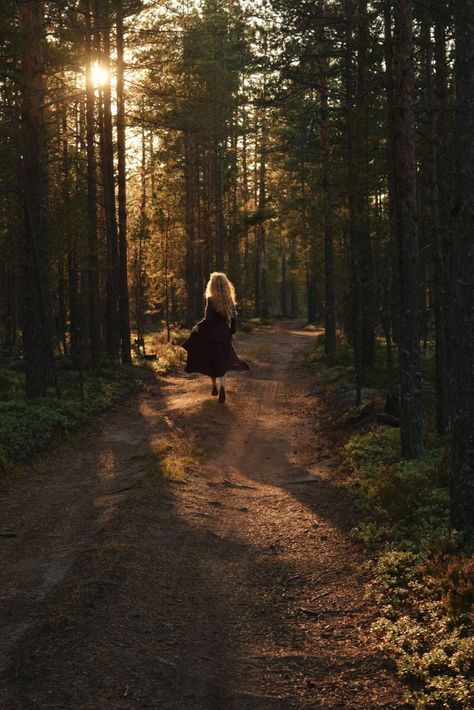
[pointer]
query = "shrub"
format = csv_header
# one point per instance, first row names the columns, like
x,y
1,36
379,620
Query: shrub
x,y
27,427
453,577
402,491
12,384
425,582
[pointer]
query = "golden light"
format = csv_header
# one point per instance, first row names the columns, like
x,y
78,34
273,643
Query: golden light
x,y
99,75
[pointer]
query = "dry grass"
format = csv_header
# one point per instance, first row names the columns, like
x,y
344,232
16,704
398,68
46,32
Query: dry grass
x,y
169,356
173,458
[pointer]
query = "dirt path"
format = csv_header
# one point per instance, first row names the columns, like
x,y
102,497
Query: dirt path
x,y
235,588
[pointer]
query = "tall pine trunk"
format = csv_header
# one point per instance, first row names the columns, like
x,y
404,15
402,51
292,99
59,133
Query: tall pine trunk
x,y
441,364
261,301
462,463
193,281
329,285
92,248
360,186
353,303
406,231
112,313
390,303
123,298
36,291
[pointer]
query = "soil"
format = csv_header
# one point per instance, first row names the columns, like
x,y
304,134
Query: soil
x,y
236,587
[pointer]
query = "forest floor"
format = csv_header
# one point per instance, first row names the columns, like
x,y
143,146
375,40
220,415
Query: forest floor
x,y
234,586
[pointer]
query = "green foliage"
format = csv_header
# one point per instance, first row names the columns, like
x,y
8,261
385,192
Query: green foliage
x,y
169,356
27,427
425,581
411,494
454,575
334,374
12,384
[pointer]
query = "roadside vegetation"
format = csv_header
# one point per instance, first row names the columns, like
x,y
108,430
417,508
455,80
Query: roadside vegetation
x,y
423,568
30,426
27,427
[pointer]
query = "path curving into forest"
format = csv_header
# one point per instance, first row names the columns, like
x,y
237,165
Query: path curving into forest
x,y
237,588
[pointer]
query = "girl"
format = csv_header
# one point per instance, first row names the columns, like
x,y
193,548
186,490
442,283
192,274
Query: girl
x,y
209,346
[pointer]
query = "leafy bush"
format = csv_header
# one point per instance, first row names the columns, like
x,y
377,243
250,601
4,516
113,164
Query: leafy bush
x,y
404,492
27,427
169,356
12,384
453,576
425,580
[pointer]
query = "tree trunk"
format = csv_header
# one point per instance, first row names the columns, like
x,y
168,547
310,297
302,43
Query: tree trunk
x,y
283,285
92,251
390,305
443,130
123,304
112,313
36,295
353,303
219,203
193,285
406,228
360,186
329,285
246,278
261,301
462,462
441,363
292,263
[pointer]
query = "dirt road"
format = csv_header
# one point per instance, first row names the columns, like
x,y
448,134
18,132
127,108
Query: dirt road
x,y
237,587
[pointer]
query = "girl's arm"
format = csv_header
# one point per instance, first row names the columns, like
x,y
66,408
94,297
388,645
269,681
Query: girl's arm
x,y
208,316
233,325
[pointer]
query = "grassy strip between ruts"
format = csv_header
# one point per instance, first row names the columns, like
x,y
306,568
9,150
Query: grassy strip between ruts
x,y
423,570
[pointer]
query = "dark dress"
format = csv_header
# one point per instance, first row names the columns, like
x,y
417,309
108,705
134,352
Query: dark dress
x,y
210,350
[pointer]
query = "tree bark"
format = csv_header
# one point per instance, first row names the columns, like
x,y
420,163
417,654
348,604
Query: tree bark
x,y
406,231
123,304
360,187
390,304
462,462
36,292
92,250
283,284
112,313
441,363
261,301
193,296
329,285
353,303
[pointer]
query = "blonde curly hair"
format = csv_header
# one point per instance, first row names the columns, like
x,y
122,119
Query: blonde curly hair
x,y
222,293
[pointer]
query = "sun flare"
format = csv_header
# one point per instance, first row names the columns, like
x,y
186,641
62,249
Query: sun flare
x,y
99,75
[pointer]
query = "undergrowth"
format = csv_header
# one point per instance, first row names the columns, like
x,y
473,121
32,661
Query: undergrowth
x,y
424,573
424,570
28,427
168,356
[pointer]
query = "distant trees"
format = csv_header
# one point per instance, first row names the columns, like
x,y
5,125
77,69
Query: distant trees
x,y
70,255
283,145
